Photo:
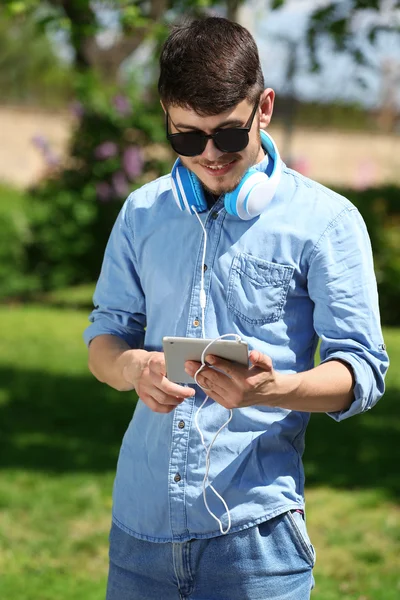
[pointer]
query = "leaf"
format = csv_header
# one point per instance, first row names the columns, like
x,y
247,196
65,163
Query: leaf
x,y
324,14
359,57
43,21
339,28
277,4
367,5
16,8
372,34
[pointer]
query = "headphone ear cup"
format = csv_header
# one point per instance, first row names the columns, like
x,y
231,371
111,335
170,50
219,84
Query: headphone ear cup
x,y
231,198
186,188
256,189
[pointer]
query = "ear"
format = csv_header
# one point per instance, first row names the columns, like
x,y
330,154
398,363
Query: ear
x,y
163,107
267,106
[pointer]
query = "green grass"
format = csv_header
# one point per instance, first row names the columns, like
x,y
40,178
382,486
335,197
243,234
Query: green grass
x,y
60,432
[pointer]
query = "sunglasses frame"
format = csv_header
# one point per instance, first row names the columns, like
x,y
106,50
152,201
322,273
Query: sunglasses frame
x,y
212,136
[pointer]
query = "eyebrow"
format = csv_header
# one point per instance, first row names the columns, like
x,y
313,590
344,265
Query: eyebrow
x,y
232,122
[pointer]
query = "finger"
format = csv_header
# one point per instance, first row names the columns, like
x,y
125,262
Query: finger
x,y
191,367
147,390
169,387
156,406
218,377
162,398
156,363
218,394
232,369
223,388
262,361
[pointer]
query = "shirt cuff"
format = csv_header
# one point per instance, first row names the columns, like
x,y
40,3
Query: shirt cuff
x,y
104,326
366,393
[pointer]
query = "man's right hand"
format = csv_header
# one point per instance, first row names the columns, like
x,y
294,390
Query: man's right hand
x,y
146,372
112,361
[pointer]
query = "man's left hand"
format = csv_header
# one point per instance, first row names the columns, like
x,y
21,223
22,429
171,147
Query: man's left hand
x,y
236,386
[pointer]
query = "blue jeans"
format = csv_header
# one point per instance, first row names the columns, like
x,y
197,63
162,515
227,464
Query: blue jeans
x,y
271,561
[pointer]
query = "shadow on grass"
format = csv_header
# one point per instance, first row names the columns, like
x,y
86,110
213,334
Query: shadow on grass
x,y
359,452
55,423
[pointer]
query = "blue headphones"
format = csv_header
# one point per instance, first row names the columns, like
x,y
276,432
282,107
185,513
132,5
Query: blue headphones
x,y
248,200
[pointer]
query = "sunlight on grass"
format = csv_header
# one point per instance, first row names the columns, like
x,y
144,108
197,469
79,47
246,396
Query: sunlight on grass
x,y
357,539
55,530
60,433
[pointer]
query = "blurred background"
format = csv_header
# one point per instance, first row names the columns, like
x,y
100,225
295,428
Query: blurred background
x,y
81,127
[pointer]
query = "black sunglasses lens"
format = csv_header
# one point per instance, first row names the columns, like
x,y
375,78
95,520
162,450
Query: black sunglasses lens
x,y
188,144
231,140
194,143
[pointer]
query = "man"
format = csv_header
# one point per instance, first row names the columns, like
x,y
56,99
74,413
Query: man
x,y
298,269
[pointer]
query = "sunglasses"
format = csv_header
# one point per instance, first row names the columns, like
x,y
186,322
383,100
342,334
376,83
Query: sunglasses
x,y
193,143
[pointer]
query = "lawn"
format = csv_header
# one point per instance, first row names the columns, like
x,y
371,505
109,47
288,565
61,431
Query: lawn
x,y
60,432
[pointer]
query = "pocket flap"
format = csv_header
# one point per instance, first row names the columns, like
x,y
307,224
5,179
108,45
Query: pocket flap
x,y
262,272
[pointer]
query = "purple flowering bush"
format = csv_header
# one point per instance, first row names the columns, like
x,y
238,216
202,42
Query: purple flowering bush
x,y
117,146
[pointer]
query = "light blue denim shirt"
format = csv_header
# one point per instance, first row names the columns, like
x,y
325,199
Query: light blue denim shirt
x,y
301,271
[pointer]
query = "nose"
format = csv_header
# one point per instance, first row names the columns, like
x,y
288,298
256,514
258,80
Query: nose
x,y
211,152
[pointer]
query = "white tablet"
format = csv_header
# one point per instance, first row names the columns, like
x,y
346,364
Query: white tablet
x,y
179,349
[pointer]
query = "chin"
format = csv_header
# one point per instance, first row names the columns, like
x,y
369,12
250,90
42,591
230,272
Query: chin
x,y
221,185
222,188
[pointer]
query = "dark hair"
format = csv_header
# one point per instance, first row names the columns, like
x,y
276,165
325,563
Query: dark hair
x,y
210,65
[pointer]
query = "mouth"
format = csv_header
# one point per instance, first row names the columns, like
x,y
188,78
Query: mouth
x,y
218,170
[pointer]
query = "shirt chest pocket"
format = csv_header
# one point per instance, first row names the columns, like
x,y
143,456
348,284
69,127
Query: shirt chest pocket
x,y
257,289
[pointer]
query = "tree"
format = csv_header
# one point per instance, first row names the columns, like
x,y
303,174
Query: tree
x,y
36,77
119,140
137,20
337,20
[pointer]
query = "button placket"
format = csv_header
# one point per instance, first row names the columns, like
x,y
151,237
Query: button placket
x,y
178,467
179,470
213,225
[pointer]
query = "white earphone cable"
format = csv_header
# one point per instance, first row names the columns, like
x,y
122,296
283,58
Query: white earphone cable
x,y
203,297
203,365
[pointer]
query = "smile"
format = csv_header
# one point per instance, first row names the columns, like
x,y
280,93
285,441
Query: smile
x,y
219,169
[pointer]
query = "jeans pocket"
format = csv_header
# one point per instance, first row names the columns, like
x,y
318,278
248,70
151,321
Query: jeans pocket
x,y
257,289
297,525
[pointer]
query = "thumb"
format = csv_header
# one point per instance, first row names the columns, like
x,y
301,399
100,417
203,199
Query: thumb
x,y
262,361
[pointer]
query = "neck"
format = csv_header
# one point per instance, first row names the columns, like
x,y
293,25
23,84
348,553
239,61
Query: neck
x,y
261,155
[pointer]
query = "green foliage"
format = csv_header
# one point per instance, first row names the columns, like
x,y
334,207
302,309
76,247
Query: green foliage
x,y
14,238
64,229
381,212
335,21
117,146
36,76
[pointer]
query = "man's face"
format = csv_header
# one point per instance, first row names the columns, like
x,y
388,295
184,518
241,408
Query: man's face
x,y
219,172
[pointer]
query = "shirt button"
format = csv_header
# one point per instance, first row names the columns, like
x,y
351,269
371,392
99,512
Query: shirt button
x,y
181,424
214,215
205,268
177,478
196,322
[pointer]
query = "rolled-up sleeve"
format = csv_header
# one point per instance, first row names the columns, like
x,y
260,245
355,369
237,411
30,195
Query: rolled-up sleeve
x,y
118,299
342,285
